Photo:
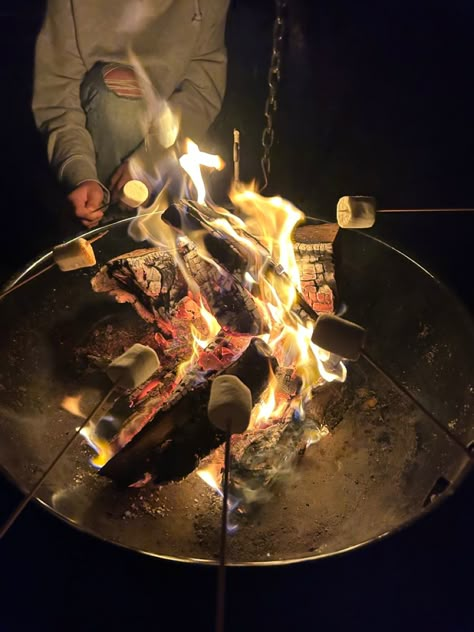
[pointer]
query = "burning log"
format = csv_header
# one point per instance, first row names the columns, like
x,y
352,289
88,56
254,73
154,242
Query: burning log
x,y
313,248
149,279
230,303
170,446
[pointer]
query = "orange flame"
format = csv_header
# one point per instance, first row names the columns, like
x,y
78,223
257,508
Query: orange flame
x,y
192,161
210,475
262,231
199,341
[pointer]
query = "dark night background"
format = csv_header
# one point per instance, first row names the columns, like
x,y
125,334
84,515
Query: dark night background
x,y
376,98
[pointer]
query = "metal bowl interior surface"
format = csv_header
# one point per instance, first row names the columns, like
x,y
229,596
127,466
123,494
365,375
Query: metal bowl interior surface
x,y
380,469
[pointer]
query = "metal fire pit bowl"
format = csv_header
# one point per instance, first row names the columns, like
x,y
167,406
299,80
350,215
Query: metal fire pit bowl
x,y
383,466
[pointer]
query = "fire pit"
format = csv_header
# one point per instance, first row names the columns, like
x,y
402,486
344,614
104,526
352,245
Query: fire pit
x,y
379,464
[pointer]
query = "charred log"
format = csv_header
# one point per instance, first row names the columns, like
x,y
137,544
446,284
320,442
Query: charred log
x,y
148,279
314,255
231,304
171,445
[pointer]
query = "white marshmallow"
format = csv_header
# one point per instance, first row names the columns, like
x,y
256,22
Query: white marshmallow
x,y
133,367
356,211
339,336
74,255
134,193
230,404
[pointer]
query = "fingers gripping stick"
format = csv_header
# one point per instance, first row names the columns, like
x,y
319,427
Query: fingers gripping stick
x,y
129,370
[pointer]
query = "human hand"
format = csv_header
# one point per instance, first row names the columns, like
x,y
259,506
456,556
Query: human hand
x,y
86,200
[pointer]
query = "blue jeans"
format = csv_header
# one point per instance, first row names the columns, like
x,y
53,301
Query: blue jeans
x,y
115,116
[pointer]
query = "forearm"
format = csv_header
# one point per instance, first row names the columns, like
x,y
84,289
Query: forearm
x,y
57,109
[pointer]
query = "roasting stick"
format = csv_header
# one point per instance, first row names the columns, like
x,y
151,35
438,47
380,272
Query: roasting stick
x,y
346,339
221,576
360,211
236,155
229,410
128,371
77,253
48,267
425,210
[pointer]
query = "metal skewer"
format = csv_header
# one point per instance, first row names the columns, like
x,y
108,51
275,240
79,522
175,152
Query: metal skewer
x,y
43,270
426,210
98,411
406,393
221,578
236,155
346,340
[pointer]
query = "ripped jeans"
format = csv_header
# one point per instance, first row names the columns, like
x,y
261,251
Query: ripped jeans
x,y
115,111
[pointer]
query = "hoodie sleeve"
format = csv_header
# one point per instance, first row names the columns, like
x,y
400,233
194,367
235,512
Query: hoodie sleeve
x,y
198,98
59,71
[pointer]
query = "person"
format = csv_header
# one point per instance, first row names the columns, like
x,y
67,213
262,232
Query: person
x,y
103,71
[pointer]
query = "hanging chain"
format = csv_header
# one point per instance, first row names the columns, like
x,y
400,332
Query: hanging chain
x,y
274,74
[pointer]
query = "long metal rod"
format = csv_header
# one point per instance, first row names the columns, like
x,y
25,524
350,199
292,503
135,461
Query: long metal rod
x,y
236,155
426,210
43,270
406,393
22,506
221,577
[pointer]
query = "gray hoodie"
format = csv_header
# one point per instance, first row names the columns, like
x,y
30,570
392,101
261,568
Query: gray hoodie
x,y
179,43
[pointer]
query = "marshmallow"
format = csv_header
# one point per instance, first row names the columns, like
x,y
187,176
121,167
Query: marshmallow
x,y
356,211
134,193
339,336
74,255
230,404
133,367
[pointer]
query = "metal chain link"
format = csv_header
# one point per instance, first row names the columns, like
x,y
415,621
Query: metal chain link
x,y
274,75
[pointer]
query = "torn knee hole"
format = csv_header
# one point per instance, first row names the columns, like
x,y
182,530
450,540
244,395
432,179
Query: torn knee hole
x,y
123,82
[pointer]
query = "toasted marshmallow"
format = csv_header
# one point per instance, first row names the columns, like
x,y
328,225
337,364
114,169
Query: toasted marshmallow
x,y
230,404
339,336
356,211
133,367
74,255
134,193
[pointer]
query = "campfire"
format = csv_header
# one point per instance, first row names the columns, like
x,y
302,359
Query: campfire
x,y
361,462
221,293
